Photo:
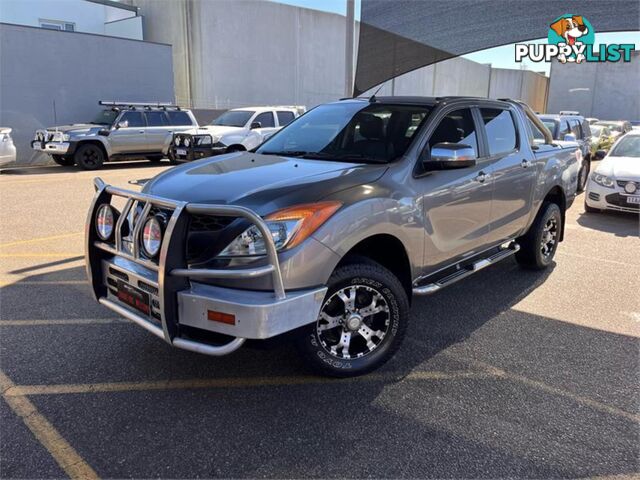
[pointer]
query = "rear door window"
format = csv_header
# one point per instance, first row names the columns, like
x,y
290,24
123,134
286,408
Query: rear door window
x,y
284,117
575,128
501,130
156,119
178,118
564,129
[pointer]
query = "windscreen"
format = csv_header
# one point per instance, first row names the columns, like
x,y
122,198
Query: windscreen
x,y
235,118
350,131
105,117
628,146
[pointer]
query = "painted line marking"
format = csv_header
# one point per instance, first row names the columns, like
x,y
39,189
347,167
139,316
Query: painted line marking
x,y
41,239
61,451
18,282
62,321
108,387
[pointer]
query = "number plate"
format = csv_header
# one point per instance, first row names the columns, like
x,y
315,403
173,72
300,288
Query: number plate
x,y
633,199
133,297
181,151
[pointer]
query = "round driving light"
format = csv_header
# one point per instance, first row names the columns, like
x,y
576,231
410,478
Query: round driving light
x,y
152,237
630,187
105,221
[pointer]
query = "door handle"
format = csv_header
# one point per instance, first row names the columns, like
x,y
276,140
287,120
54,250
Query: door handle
x,y
525,163
140,131
481,177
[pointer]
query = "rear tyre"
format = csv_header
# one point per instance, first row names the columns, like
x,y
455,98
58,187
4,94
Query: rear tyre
x,y
538,246
89,157
361,324
63,161
235,148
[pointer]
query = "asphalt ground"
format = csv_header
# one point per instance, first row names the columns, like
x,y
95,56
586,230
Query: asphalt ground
x,y
509,373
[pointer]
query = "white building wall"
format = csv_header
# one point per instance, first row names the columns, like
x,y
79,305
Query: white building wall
x,y
87,17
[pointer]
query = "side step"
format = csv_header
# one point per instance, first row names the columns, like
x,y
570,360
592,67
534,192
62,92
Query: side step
x,y
464,272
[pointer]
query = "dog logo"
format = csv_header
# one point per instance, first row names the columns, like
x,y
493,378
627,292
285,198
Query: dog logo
x,y
573,31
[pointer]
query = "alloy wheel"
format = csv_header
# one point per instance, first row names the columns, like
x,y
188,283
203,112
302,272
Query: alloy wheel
x,y
549,237
353,322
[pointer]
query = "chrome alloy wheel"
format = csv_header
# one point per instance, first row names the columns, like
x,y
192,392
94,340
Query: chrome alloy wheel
x,y
353,322
549,237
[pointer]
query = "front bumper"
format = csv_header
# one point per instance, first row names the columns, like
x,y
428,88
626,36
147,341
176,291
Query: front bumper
x,y
179,308
186,147
53,148
603,198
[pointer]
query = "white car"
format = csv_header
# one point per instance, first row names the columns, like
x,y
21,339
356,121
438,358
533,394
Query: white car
x,y
615,183
7,148
235,130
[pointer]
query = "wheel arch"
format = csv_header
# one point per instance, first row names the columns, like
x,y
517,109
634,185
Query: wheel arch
x,y
387,250
97,143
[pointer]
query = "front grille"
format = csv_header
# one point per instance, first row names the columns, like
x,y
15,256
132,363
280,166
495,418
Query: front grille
x,y
208,223
621,201
623,183
147,288
119,274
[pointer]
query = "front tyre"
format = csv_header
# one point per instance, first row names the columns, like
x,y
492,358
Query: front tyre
x,y
361,324
538,246
89,157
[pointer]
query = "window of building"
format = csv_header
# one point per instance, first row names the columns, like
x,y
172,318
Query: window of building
x,y
265,119
285,117
178,118
58,25
501,131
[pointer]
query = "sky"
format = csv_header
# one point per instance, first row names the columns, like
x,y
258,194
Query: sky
x,y
499,57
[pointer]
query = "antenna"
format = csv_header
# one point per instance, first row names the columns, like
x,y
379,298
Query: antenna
x,y
55,116
372,98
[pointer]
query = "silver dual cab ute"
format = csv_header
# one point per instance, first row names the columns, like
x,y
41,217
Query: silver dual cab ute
x,y
328,230
120,131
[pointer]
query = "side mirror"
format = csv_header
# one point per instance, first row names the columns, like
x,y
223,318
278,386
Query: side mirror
x,y
569,137
256,125
123,124
600,154
104,132
447,156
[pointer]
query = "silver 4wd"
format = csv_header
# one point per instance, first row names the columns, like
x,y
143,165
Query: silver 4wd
x,y
331,226
121,131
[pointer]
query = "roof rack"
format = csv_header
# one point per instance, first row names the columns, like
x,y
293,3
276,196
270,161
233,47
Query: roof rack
x,y
133,105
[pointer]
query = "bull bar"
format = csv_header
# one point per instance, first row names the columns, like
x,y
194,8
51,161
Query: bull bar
x,y
181,299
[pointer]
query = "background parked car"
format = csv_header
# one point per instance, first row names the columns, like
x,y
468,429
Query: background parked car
x,y
591,120
7,148
617,127
123,131
572,128
635,124
235,130
615,183
601,141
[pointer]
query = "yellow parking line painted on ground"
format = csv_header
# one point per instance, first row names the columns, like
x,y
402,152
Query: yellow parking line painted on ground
x,y
40,239
62,452
18,282
40,254
238,382
62,321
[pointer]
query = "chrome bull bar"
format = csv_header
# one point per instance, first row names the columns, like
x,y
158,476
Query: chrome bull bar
x,y
171,269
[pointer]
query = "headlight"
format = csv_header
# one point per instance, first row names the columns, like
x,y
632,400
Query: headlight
x,y
65,137
289,227
151,237
602,180
105,221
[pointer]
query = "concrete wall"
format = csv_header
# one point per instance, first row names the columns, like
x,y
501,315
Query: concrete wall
x,y
609,91
525,85
240,52
103,68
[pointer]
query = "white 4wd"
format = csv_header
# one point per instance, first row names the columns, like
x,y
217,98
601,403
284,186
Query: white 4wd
x,y
237,129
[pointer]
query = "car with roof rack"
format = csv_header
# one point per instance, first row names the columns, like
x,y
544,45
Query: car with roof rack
x,y
324,234
121,131
237,129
